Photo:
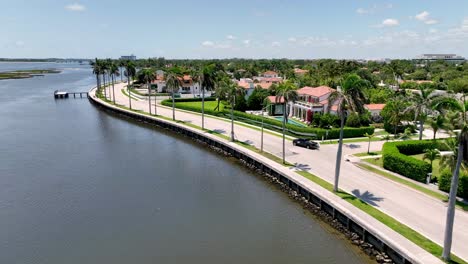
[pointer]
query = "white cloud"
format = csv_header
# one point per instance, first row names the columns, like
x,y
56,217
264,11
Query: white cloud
x,y
389,6
275,44
425,18
390,22
75,7
292,39
422,16
431,22
433,30
208,43
246,42
230,37
19,43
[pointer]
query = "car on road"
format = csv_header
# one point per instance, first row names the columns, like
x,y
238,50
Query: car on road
x,y
306,143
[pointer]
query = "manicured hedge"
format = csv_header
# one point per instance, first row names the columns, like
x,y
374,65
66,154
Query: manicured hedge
x,y
349,132
180,100
395,158
445,180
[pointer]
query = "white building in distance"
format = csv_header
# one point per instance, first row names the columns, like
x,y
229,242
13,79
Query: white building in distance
x,y
446,57
130,58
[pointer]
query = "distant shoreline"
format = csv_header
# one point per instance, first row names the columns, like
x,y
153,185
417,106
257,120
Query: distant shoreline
x,y
24,74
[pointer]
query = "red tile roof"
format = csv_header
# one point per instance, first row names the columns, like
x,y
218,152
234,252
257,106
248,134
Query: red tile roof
x,y
270,73
273,100
375,106
244,85
315,91
272,79
300,71
264,85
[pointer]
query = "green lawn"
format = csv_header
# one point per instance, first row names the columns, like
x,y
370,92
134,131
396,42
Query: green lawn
x,y
375,161
209,105
352,140
363,154
435,165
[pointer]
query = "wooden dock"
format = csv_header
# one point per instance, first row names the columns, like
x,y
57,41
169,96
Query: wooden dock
x,y
61,95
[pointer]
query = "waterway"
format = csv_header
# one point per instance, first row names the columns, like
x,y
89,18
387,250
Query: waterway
x,y
78,185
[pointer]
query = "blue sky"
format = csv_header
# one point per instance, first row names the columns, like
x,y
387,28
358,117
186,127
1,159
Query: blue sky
x,y
226,29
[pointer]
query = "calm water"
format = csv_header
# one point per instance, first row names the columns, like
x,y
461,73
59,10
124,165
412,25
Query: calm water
x,y
78,185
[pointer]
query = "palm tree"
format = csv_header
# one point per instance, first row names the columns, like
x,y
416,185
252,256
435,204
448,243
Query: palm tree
x,y
349,98
113,71
422,102
104,69
121,65
369,136
109,64
148,75
97,71
232,91
173,83
431,155
129,72
436,123
393,112
287,92
461,106
205,78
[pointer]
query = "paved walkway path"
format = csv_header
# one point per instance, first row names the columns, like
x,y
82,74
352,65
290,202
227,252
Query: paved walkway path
x,y
421,212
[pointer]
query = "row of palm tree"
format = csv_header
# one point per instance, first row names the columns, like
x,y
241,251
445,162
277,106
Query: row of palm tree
x,y
109,69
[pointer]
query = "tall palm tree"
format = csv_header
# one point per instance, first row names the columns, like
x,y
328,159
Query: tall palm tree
x,y
129,72
287,92
421,104
109,64
350,98
121,65
113,71
173,83
198,77
148,75
461,107
97,71
232,92
206,79
104,69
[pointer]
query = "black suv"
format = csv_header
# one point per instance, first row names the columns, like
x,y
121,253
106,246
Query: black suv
x,y
306,143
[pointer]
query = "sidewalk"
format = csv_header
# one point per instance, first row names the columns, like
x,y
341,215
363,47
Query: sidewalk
x,y
420,212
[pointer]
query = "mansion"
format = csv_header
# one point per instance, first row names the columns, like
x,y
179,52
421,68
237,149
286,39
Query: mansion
x,y
313,100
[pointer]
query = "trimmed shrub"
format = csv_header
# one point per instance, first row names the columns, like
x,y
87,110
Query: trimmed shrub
x,y
445,180
395,158
193,99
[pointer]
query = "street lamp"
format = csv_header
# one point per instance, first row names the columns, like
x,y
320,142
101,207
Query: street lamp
x,y
261,141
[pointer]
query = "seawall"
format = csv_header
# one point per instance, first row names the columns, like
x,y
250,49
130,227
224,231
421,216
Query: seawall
x,y
361,228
